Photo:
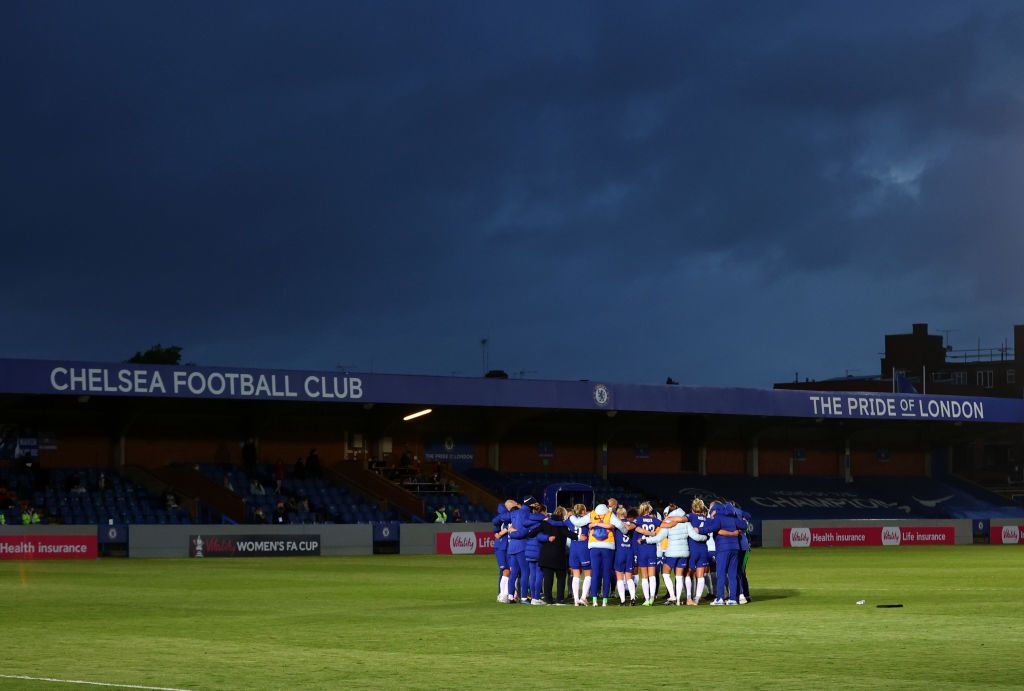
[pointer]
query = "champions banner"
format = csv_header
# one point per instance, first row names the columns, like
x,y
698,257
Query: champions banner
x,y
465,543
48,547
869,536
254,546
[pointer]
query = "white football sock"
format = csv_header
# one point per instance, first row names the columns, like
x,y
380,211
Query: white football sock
x,y
700,590
679,589
688,584
621,587
504,585
585,590
631,587
646,583
575,588
667,577
652,585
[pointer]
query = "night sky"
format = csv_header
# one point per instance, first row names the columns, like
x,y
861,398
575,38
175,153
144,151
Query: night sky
x,y
724,193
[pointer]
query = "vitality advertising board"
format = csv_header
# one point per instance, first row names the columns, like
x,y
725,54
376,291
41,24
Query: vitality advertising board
x,y
868,536
1006,534
48,547
465,543
254,546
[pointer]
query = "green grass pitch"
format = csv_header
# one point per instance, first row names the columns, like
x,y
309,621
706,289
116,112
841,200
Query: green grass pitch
x,y
432,622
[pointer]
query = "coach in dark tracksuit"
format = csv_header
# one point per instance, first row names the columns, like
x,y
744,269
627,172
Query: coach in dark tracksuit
x,y
554,555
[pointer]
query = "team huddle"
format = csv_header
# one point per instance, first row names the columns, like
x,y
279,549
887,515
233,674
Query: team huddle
x,y
627,547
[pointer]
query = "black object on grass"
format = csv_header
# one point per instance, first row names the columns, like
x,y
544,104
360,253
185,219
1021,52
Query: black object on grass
x,y
887,606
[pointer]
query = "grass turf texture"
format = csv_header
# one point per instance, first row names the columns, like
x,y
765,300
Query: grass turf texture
x,y
432,622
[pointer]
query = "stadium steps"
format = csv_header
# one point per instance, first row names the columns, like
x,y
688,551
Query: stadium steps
x,y
472,490
989,491
353,474
190,484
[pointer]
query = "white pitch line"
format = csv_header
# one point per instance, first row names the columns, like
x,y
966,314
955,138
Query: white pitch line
x,y
90,683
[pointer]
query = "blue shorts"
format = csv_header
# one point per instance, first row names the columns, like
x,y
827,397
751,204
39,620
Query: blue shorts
x,y
501,554
698,556
675,562
624,560
647,555
579,556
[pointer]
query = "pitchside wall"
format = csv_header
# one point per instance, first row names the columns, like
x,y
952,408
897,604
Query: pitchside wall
x,y
336,540
772,532
173,540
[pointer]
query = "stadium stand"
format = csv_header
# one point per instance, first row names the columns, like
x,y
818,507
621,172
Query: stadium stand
x,y
120,501
436,489
311,500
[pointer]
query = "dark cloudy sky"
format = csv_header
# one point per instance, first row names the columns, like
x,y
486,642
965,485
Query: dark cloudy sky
x,y
721,192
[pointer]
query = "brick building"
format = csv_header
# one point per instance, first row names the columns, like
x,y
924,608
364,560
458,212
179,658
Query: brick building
x,y
928,364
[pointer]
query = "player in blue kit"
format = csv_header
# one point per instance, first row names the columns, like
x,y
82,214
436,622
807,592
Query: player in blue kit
x,y
698,561
579,554
743,585
536,576
726,527
647,554
676,528
501,523
602,551
522,521
625,559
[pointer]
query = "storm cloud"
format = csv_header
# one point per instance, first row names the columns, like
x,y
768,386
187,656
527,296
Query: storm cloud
x,y
725,195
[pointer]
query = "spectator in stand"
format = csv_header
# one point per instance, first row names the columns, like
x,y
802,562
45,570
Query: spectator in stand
x,y
440,515
280,514
249,456
227,483
258,516
76,484
170,501
27,463
256,488
405,463
457,516
101,483
279,475
299,470
29,516
313,469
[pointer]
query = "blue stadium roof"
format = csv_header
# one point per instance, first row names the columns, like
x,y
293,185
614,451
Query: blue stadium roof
x,y
66,378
